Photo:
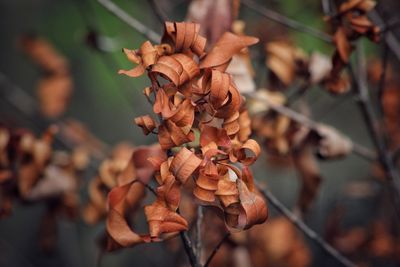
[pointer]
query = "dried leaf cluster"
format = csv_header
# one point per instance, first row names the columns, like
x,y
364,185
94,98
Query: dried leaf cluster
x,y
95,209
55,86
127,165
192,96
350,23
30,170
377,239
289,65
278,243
286,137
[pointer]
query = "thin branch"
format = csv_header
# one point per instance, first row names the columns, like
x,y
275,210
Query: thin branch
x,y
149,187
187,244
129,20
311,234
382,79
215,250
388,36
198,242
281,19
312,125
378,137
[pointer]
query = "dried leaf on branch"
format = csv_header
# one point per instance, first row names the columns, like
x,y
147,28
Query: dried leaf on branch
x,y
55,87
192,93
350,23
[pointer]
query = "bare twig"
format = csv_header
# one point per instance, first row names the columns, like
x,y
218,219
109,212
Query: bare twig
x,y
312,125
378,137
382,79
150,188
311,234
187,245
215,250
281,19
198,242
388,36
129,20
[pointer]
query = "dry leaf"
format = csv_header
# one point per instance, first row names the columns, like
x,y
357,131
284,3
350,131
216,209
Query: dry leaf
x,y
277,243
310,176
146,123
184,164
224,49
215,17
332,144
285,61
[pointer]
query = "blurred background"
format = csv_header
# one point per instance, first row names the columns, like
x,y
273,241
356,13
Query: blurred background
x,y
104,103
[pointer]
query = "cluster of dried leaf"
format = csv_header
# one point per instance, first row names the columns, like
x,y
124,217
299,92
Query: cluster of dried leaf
x,y
289,65
23,161
287,138
204,130
350,23
376,241
30,171
55,86
126,164
98,188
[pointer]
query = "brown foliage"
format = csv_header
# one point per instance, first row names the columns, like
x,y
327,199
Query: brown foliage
x,y
191,97
55,87
351,22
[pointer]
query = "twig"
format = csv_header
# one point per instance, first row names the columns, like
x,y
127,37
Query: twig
x,y
149,187
129,20
311,234
312,125
388,36
378,138
187,244
215,250
382,79
199,220
281,19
